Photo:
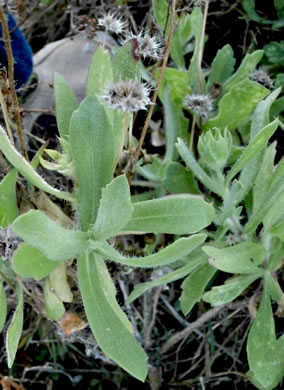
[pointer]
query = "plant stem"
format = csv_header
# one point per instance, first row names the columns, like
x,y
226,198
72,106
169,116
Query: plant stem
x,y
192,131
124,131
130,135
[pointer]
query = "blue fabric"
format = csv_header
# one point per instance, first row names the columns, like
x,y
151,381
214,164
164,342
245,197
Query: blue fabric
x,y
22,53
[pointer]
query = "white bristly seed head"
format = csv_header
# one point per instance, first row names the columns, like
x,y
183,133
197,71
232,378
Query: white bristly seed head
x,y
199,104
127,96
148,46
112,23
262,77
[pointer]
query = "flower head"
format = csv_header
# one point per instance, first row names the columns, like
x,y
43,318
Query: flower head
x,y
262,77
148,46
111,23
127,96
199,104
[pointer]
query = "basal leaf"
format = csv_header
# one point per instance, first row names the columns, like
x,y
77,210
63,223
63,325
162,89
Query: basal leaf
x,y
115,208
30,262
126,63
100,72
176,214
222,66
165,256
193,287
14,331
8,199
93,152
241,258
65,102
111,333
262,348
54,241
53,305
179,180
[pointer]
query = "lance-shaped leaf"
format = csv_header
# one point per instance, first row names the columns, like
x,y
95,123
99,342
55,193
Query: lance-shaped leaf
x,y
54,241
241,258
3,306
193,287
262,348
257,144
65,102
59,283
193,262
176,214
115,208
231,289
165,256
14,331
53,305
108,323
100,72
222,66
93,152
30,262
8,204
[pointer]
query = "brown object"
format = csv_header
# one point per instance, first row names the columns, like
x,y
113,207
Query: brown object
x,y
71,322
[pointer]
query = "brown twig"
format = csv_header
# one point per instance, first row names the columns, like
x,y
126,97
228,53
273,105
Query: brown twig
x,y
162,71
7,41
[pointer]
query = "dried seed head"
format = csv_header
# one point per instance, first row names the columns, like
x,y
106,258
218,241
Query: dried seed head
x,y
262,77
111,23
148,46
127,96
199,104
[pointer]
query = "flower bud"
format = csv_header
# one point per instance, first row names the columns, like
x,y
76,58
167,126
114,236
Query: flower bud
x,y
214,147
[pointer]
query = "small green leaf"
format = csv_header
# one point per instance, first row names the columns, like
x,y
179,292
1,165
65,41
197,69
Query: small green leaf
x,y
257,144
8,199
242,99
65,102
278,231
110,331
54,241
272,286
262,348
177,82
93,152
125,65
115,209
3,306
179,180
100,72
241,258
222,66
231,289
30,262
165,256
59,284
193,287
25,169
176,214
15,329
177,274
53,305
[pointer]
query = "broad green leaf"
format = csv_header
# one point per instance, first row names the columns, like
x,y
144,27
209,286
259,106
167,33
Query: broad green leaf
x,y
100,72
53,305
125,63
177,274
256,145
65,102
193,165
176,214
115,208
274,193
245,69
276,255
54,241
59,284
160,11
231,289
25,169
237,104
152,172
262,348
110,331
193,287
177,82
176,125
273,287
173,252
93,152
196,19
241,258
3,306
14,331
222,66
8,199
30,262
179,180
278,231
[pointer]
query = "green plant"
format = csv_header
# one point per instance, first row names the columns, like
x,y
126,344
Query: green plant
x,y
216,197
